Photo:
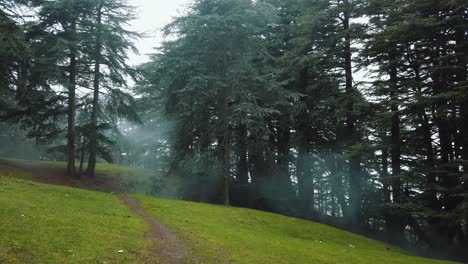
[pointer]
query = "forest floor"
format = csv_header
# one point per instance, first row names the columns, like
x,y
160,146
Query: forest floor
x,y
109,178
50,173
43,223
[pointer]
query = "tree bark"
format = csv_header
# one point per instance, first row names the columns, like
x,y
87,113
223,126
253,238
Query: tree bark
x,y
226,165
242,164
384,172
355,190
395,223
336,170
462,51
395,138
224,154
284,137
82,155
96,82
305,179
71,168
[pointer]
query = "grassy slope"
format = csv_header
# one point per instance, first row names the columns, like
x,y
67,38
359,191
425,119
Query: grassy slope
x,y
122,178
65,225
50,224
247,236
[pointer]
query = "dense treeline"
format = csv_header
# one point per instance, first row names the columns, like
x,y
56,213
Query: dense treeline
x,y
64,75
353,112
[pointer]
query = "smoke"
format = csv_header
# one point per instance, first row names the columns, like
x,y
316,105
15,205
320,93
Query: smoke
x,y
15,144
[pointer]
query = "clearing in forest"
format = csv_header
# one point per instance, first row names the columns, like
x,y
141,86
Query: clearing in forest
x,y
41,223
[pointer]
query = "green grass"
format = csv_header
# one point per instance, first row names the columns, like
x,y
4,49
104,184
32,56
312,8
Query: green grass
x,y
124,179
51,224
240,235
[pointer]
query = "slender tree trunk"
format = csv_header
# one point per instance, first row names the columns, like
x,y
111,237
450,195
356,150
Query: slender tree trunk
x,y
395,138
305,182
384,173
396,224
71,169
355,188
301,174
462,52
21,81
82,155
441,80
430,160
337,182
95,111
427,142
242,164
224,155
284,136
282,182
226,165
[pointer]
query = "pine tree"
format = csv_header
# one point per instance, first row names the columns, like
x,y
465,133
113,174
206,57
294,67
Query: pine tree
x,y
109,47
72,17
212,81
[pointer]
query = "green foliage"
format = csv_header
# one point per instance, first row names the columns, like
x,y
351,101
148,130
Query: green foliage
x,y
350,111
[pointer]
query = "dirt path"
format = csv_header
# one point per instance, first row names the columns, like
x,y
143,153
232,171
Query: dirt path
x,y
168,249
171,250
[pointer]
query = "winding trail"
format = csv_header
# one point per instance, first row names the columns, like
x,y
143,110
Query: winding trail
x,y
167,248
170,249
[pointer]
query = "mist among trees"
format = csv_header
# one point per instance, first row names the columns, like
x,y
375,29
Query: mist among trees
x,y
349,112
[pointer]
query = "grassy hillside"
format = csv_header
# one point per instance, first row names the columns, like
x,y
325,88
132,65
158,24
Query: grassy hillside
x,y
109,177
218,234
40,223
51,224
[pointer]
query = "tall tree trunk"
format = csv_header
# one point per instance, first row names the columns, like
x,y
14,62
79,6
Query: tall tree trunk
x,y
82,155
426,128
283,184
462,52
395,138
430,160
21,81
396,224
242,164
95,112
71,169
355,191
224,157
223,144
384,172
305,179
226,165
336,170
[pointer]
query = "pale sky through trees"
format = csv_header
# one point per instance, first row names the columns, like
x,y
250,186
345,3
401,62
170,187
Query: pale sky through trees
x,y
153,15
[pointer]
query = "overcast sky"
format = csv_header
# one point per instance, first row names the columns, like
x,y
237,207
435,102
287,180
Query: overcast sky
x,y
153,15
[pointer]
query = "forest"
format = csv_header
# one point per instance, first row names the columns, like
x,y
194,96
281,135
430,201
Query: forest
x,y
352,113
